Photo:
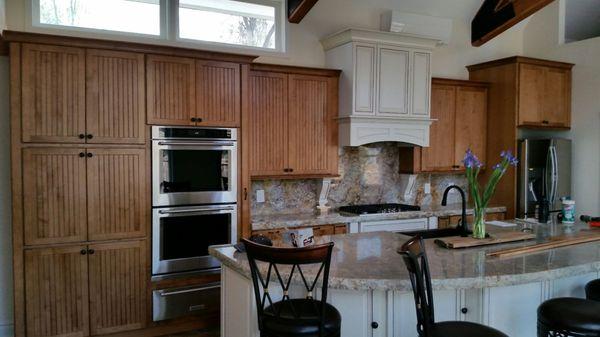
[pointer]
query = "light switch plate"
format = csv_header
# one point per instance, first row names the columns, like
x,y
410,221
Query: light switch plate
x,y
427,188
260,196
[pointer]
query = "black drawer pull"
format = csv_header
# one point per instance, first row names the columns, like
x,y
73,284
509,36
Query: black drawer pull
x,y
90,136
83,252
91,251
193,119
199,120
81,154
81,136
90,155
464,310
374,325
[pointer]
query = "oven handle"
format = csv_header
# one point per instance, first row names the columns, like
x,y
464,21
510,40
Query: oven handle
x,y
196,143
185,291
196,210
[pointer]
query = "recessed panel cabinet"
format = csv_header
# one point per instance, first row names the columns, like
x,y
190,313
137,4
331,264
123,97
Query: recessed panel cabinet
x,y
85,290
73,95
291,125
186,91
76,194
460,112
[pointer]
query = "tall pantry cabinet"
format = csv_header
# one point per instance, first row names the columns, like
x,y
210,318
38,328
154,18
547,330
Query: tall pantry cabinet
x,y
80,206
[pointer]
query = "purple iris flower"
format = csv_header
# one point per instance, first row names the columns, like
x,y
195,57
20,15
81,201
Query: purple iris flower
x,y
512,160
471,160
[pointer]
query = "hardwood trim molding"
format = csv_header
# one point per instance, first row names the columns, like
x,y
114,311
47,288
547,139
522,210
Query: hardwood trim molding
x,y
4,46
464,83
295,70
297,10
14,36
520,59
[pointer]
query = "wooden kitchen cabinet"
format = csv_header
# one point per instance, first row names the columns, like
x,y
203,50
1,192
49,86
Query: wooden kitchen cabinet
x,y
218,93
117,287
86,290
185,91
54,195
56,291
115,97
460,110
116,190
79,194
291,123
544,96
53,93
73,95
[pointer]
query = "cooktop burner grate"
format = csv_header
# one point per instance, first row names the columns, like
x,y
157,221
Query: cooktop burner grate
x,y
377,208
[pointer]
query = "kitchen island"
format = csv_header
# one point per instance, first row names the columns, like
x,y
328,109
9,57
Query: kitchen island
x,y
370,286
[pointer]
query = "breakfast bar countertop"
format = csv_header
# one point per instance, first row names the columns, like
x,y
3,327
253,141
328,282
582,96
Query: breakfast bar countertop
x,y
370,261
286,221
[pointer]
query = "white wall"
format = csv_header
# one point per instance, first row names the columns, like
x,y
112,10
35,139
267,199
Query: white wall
x,y
542,38
6,300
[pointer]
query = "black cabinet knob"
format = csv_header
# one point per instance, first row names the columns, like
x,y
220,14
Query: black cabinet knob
x,y
90,136
81,154
91,251
193,119
374,325
89,155
545,122
464,310
455,166
199,120
81,136
83,252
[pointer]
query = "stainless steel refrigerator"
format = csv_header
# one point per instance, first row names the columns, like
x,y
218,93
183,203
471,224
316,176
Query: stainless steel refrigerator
x,y
544,172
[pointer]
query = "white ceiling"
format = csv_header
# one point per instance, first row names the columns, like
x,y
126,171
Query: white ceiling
x,y
334,15
582,19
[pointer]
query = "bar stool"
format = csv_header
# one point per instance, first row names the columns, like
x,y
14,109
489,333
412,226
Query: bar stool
x,y
304,317
415,258
592,290
568,316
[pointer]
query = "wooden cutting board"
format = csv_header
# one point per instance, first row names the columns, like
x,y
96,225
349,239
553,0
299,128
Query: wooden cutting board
x,y
585,236
454,242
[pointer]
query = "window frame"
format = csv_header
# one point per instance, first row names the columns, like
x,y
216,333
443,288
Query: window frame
x,y
169,30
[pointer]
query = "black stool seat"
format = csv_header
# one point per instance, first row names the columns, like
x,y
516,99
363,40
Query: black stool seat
x,y
463,329
592,290
300,318
575,315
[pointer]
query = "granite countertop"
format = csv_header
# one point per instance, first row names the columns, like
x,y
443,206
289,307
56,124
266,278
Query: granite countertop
x,y
285,221
370,261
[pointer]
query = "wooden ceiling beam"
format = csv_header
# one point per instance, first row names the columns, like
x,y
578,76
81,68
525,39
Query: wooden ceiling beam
x,y
297,9
496,16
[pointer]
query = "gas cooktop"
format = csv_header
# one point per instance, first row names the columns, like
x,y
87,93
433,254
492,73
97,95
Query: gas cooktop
x,y
377,208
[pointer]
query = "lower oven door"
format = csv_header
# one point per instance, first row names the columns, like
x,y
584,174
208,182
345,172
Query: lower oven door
x,y
181,236
179,302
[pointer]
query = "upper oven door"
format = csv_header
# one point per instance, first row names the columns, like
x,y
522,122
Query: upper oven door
x,y
187,172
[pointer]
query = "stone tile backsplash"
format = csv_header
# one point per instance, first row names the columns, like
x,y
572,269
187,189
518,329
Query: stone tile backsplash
x,y
368,174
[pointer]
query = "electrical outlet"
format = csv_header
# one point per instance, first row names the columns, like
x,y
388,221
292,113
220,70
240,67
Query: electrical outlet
x,y
427,188
260,196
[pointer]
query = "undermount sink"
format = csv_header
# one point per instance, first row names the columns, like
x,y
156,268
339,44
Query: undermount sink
x,y
435,233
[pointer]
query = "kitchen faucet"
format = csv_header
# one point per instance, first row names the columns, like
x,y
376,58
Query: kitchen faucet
x,y
463,228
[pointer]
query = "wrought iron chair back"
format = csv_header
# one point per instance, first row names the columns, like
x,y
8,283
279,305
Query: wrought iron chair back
x,y
296,258
415,259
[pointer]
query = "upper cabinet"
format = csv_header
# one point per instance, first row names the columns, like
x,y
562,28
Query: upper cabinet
x,y
187,91
70,95
291,126
542,89
459,109
384,88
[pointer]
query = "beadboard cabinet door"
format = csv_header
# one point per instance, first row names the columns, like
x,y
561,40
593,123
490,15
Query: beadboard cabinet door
x,y
268,123
218,94
170,90
53,94
117,192
531,94
54,195
557,102
115,97
312,125
471,123
56,292
118,286
439,156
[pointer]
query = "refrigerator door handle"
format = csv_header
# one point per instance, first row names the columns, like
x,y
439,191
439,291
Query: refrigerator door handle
x,y
554,174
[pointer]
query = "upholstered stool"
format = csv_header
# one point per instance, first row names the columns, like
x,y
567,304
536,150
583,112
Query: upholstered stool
x,y
592,290
569,316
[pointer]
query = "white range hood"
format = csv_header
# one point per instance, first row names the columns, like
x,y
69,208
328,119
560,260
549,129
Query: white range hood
x,y
385,86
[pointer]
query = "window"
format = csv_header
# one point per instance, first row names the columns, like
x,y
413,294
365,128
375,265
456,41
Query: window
x,y
223,24
114,15
227,21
